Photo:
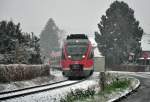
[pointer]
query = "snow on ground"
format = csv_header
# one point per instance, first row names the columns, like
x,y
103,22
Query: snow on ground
x,y
47,96
54,95
117,95
54,77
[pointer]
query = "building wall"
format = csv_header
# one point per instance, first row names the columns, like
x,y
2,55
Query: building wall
x,y
145,42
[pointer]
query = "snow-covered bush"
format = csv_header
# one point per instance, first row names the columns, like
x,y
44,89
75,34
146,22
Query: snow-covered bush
x,y
78,94
16,72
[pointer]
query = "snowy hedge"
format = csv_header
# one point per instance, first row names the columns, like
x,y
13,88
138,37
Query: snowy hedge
x,y
131,68
16,72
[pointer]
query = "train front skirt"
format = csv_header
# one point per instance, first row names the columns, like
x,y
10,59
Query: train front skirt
x,y
77,71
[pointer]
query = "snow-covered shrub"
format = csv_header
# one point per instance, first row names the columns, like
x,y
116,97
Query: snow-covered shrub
x,y
15,72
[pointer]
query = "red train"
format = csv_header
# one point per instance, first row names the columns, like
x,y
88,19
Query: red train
x,y
77,56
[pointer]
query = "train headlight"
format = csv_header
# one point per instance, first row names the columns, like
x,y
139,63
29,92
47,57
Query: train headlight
x,y
83,56
69,56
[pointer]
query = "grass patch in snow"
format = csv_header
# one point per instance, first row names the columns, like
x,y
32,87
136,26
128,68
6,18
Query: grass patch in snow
x,y
110,91
119,84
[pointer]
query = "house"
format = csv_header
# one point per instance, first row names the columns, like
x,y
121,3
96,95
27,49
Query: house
x,y
145,55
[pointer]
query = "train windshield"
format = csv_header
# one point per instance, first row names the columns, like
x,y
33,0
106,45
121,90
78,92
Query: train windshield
x,y
76,51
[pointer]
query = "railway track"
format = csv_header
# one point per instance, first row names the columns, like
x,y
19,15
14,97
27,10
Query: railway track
x,y
36,89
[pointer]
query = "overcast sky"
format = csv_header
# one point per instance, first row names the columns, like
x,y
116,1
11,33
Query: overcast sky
x,y
74,16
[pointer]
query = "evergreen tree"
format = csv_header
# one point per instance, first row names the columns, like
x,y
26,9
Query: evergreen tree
x,y
119,34
36,56
49,38
16,46
8,36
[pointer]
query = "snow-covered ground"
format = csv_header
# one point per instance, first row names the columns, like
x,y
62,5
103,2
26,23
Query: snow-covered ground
x,y
54,77
55,95
48,96
118,94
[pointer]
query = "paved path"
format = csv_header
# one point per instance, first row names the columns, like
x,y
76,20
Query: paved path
x,y
143,93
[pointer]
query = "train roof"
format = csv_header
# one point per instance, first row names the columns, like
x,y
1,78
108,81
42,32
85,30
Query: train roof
x,y
75,41
76,36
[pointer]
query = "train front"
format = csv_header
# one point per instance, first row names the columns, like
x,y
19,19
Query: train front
x,y
77,58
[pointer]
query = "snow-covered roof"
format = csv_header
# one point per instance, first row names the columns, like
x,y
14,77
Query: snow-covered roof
x,y
97,53
93,42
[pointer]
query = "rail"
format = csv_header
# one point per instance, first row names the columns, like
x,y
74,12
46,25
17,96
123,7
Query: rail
x,y
36,89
